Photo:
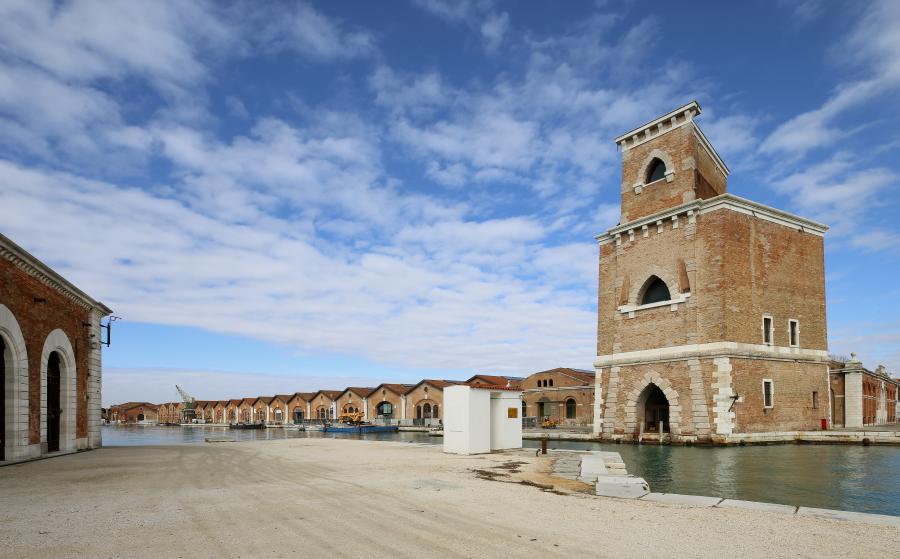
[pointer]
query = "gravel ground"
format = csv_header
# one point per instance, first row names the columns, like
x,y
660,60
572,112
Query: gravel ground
x,y
347,498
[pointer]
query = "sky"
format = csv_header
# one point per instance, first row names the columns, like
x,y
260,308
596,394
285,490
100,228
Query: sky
x,y
278,197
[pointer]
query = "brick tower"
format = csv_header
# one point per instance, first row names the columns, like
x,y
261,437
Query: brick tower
x,y
711,318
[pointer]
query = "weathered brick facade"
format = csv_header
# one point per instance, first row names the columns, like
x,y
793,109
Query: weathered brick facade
x,y
49,330
687,281
563,395
387,401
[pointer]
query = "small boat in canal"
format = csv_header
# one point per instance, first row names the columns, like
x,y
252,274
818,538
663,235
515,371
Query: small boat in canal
x,y
246,426
359,429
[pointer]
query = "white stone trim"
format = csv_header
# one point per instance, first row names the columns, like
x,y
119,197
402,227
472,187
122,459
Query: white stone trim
x,y
672,303
15,377
59,342
709,350
655,127
723,399
772,383
721,202
652,377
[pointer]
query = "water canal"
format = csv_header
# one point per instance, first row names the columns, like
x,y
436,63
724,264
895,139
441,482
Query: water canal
x,y
847,477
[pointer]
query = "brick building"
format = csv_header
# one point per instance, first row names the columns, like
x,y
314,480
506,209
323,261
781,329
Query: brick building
x,y
860,397
299,406
711,318
494,380
322,404
425,401
352,400
387,402
135,412
50,359
562,394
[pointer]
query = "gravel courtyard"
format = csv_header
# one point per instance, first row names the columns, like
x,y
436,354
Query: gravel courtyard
x,y
348,498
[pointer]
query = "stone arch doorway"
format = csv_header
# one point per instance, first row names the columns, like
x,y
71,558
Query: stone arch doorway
x,y
58,401
54,403
636,405
14,442
653,410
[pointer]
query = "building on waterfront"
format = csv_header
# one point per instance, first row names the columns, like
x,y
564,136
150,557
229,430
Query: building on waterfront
x,y
219,411
233,411
860,397
135,412
563,395
711,318
50,358
245,410
261,409
425,402
279,407
299,406
387,402
353,400
322,404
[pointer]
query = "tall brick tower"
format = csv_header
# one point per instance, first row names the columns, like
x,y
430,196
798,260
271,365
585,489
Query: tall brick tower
x,y
711,321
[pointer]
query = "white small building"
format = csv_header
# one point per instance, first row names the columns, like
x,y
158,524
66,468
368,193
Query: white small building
x,y
481,419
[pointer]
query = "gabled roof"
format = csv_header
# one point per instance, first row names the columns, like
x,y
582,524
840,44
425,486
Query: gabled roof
x,y
250,401
221,402
360,391
580,375
330,394
399,389
129,405
235,401
441,384
305,396
284,397
264,399
495,380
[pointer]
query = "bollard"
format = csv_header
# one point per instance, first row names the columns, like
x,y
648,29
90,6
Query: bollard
x,y
543,446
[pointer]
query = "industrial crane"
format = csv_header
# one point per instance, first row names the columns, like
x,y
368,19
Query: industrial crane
x,y
187,412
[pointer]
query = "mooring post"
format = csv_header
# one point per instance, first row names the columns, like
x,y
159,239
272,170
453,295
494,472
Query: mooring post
x,y
543,445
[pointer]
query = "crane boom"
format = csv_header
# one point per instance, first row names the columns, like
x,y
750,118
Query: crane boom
x,y
185,397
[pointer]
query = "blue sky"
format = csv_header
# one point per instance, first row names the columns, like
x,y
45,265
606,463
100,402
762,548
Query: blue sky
x,y
279,197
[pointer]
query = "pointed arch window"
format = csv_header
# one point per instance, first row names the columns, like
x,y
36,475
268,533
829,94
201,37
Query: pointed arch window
x,y
655,292
656,170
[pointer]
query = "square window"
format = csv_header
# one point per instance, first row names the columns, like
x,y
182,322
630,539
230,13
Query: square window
x,y
768,393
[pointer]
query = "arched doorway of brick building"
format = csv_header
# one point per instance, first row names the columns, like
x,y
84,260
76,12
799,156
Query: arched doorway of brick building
x,y
653,410
2,400
54,410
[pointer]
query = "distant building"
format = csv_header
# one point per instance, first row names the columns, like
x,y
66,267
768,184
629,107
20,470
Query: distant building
x,y
50,360
494,380
711,307
386,402
563,395
134,412
860,397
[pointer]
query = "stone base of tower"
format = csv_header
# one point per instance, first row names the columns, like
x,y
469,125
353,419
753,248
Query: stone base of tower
x,y
705,396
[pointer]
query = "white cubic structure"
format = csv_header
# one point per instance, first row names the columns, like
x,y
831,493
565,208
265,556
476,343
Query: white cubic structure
x,y
481,419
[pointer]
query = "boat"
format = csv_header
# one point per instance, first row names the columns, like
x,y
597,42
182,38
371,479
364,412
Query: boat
x,y
246,426
360,429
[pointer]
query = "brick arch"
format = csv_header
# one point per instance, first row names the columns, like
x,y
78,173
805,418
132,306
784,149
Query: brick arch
x,y
15,378
631,400
662,156
57,341
664,274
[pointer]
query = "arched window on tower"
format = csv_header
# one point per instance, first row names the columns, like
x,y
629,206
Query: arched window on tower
x,y
656,171
656,291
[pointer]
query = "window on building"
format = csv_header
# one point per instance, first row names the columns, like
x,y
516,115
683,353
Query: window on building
x,y
656,171
794,333
418,412
815,399
767,330
655,292
768,393
551,382
570,408
434,411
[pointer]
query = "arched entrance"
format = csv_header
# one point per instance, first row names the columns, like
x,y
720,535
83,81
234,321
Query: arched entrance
x,y
653,409
2,400
54,409
385,410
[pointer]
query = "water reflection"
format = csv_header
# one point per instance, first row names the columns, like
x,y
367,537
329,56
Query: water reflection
x,y
828,476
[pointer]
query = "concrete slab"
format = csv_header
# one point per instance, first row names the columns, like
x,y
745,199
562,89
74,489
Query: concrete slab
x,y
676,499
623,487
756,505
866,518
592,465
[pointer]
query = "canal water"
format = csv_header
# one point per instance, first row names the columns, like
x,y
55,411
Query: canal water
x,y
847,477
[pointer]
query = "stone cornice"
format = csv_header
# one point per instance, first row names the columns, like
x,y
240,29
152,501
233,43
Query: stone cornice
x,y
721,202
710,350
43,273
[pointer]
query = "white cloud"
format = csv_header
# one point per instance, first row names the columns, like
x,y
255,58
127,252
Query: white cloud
x,y
306,30
494,29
